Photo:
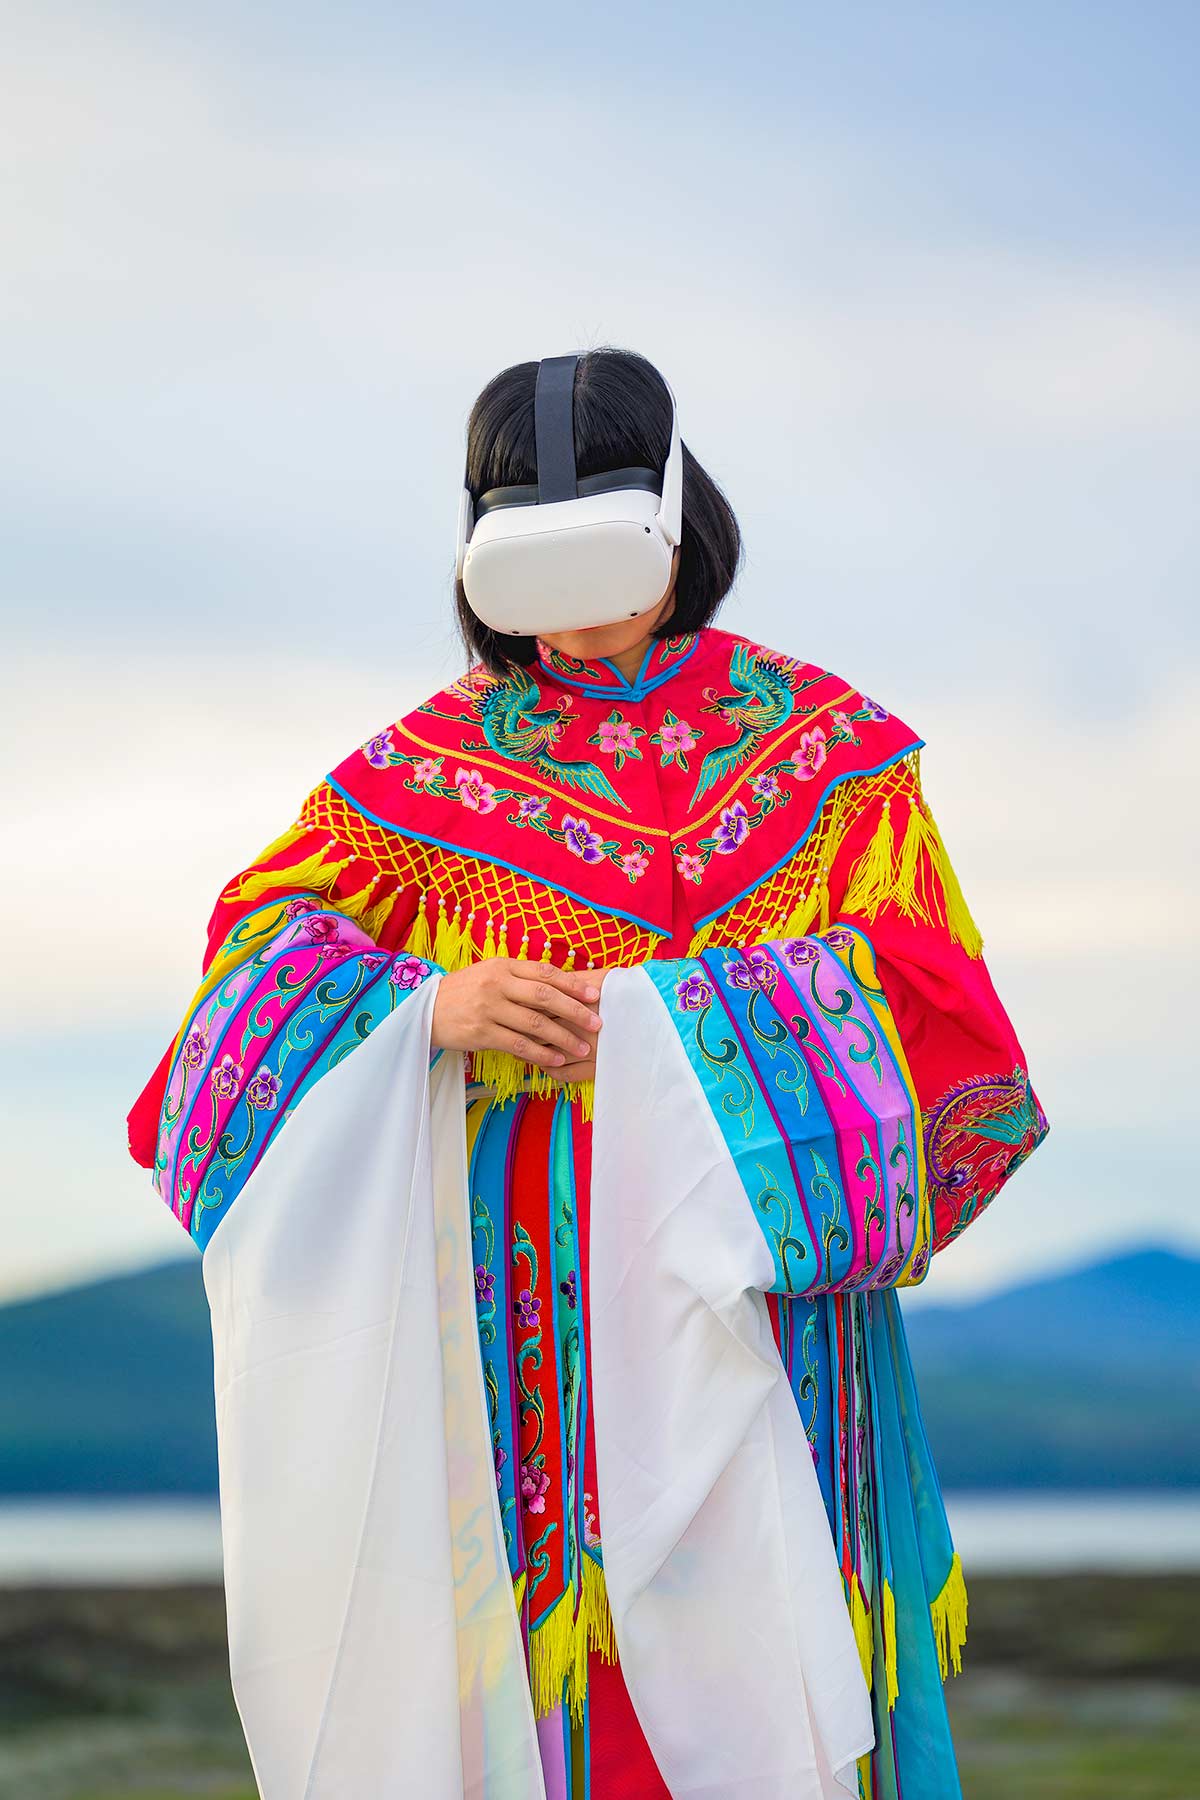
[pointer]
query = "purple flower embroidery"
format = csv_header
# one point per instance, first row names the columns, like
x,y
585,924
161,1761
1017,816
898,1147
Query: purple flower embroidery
x,y
735,823
874,710
566,1288
295,908
501,1458
753,969
227,1078
535,1484
811,753
766,787
321,928
581,840
797,952
476,794
195,1048
693,992
839,939
408,972
527,1309
485,1286
263,1091
531,808
377,750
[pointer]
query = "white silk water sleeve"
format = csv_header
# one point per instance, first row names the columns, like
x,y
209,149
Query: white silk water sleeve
x,y
374,1645
733,1633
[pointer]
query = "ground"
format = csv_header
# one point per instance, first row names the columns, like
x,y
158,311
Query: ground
x,y
1073,1688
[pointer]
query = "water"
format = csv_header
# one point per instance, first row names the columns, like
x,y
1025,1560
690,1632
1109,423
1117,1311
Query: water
x,y
68,1542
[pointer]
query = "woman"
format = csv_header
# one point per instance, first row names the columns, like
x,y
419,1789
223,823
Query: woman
x,y
650,792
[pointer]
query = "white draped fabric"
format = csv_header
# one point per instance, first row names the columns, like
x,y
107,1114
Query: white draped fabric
x,y
733,1633
374,1645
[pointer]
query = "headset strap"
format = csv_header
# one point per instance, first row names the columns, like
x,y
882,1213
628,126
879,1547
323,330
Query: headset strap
x,y
554,428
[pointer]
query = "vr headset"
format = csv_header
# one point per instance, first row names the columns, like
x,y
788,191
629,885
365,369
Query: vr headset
x,y
565,553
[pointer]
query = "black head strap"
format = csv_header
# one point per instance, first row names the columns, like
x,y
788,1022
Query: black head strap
x,y
554,428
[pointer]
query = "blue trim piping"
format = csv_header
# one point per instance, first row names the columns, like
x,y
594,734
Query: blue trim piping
x,y
637,689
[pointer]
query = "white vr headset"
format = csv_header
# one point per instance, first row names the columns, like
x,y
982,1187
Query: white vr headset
x,y
566,553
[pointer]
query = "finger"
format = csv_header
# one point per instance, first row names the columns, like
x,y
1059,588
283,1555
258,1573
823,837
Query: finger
x,y
537,1025
580,983
554,1001
527,1049
576,1071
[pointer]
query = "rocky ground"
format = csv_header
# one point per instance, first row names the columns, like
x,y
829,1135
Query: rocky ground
x,y
1073,1688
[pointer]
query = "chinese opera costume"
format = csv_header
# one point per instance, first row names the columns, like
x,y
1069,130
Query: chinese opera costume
x,y
569,1444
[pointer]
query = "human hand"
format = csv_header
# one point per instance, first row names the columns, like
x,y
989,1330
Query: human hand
x,y
539,1014
584,1069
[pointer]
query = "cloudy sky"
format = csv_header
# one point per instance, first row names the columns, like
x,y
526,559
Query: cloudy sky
x,y
927,286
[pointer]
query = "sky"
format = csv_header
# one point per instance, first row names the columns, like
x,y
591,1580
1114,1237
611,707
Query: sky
x,y
926,283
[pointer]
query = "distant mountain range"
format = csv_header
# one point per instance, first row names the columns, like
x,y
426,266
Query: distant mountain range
x,y
1085,1380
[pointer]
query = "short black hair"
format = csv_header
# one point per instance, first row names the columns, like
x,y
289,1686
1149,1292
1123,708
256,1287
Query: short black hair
x,y
622,416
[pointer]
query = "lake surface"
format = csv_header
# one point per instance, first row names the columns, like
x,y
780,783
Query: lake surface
x,y
69,1542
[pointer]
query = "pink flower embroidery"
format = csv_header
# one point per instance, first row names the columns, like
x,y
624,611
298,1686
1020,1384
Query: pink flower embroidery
x,y
843,721
634,864
321,928
408,972
426,770
617,737
476,794
535,1484
811,754
295,908
675,738
689,866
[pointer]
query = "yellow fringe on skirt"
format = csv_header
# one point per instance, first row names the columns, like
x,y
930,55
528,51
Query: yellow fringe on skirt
x,y
949,1614
558,1647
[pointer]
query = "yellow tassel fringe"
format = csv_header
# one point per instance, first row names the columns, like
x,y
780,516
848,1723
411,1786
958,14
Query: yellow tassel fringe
x,y
882,875
558,1648
860,1618
949,1614
890,1669
313,874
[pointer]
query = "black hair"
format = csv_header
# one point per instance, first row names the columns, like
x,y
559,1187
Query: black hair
x,y
622,418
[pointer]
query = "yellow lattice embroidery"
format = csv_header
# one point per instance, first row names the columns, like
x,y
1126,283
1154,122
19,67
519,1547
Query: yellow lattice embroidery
x,y
468,908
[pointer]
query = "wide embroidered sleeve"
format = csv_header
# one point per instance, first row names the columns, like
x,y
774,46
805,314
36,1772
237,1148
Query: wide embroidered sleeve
x,y
893,880
867,1085
296,974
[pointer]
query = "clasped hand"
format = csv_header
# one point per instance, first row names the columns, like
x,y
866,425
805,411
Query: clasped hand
x,y
539,1014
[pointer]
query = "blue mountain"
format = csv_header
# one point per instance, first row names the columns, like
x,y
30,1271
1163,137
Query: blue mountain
x,y
1089,1379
